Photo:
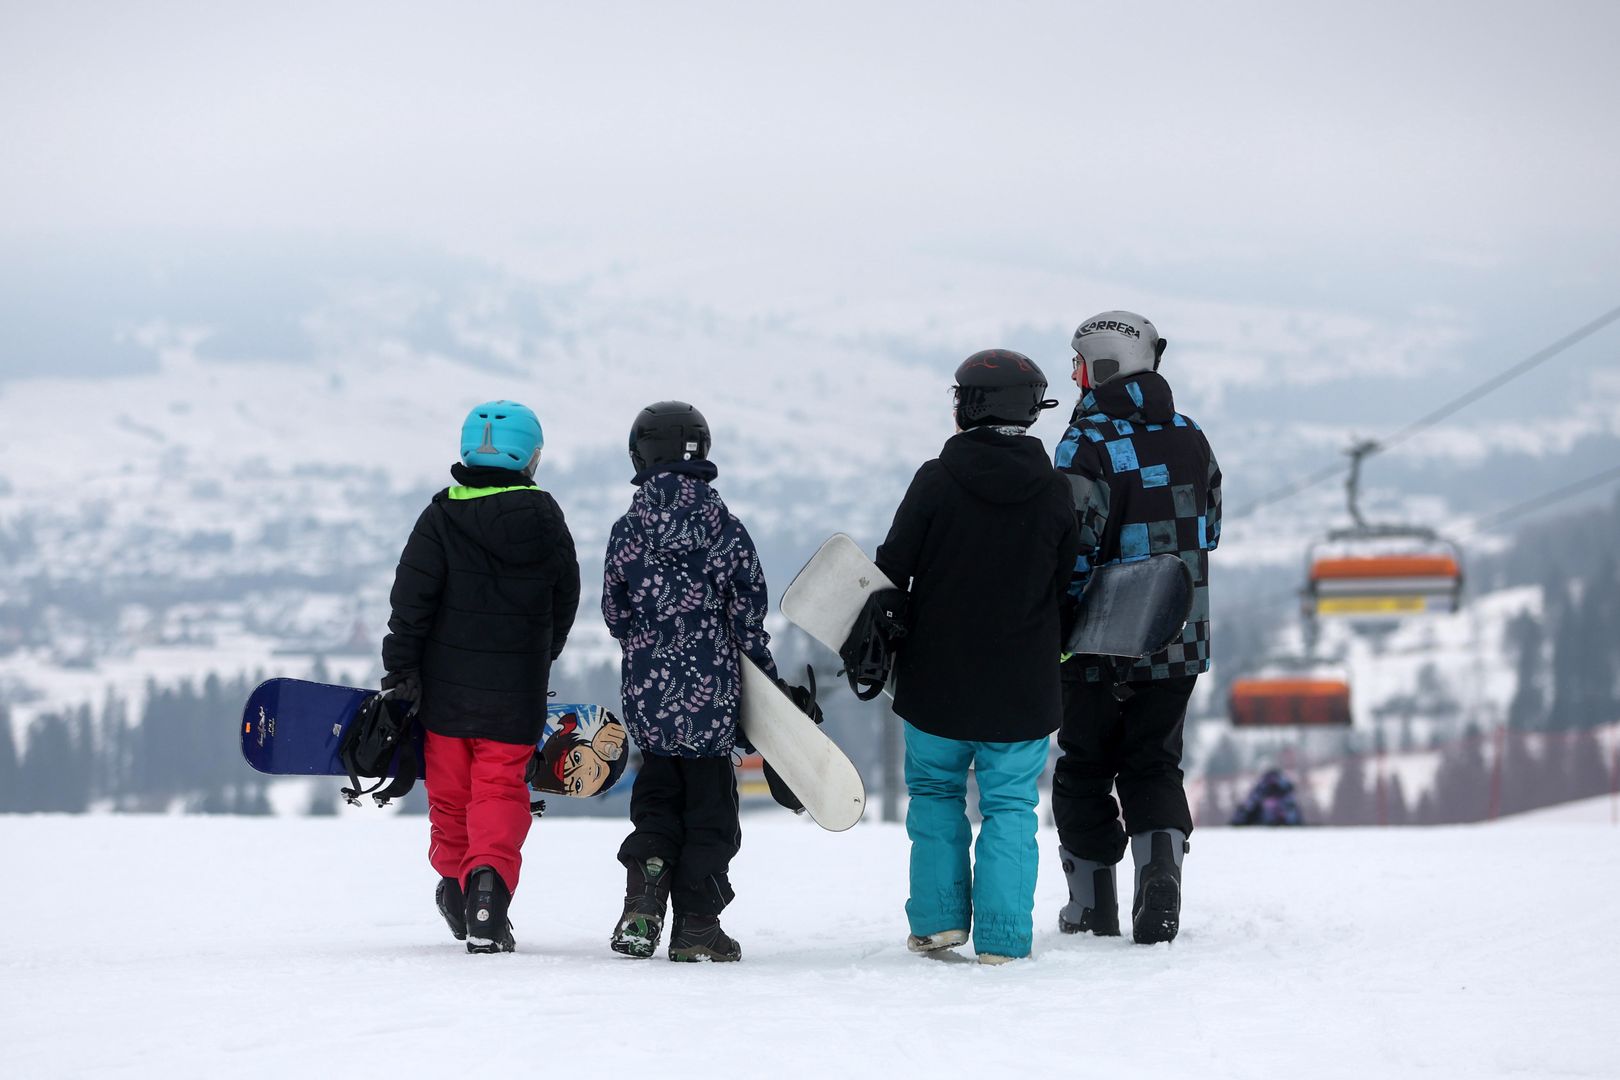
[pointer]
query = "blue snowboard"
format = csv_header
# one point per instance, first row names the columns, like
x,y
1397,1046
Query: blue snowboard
x,y
292,727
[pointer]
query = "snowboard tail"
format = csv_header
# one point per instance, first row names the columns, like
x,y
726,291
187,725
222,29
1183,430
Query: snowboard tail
x,y
810,763
294,727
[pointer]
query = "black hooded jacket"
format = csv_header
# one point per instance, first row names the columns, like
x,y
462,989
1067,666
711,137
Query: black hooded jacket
x,y
483,600
985,540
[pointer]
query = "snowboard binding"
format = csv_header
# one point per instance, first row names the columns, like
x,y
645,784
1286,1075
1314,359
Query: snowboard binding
x,y
868,652
378,745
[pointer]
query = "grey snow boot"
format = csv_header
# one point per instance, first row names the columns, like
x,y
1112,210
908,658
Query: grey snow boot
x,y
1156,912
1093,899
699,937
646,896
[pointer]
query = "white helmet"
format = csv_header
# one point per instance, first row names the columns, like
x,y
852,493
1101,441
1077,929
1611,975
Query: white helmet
x,y
1117,343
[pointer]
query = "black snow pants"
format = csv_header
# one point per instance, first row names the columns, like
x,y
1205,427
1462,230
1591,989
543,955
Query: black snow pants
x,y
685,812
1134,745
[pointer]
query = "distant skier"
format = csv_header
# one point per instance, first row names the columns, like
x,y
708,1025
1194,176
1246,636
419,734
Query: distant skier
x,y
483,600
984,540
1144,481
684,594
1271,802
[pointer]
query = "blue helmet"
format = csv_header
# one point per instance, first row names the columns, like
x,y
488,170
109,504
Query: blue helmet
x,y
503,435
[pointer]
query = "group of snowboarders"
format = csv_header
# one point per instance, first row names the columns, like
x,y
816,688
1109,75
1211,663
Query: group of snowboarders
x,y
991,548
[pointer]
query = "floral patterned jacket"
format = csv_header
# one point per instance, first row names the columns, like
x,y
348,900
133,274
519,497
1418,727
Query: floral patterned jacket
x,y
684,594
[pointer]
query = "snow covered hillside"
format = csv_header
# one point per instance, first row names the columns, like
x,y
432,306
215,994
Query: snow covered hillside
x,y
207,947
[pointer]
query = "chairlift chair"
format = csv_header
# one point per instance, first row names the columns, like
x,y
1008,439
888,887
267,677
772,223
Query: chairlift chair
x,y
1377,572
1291,692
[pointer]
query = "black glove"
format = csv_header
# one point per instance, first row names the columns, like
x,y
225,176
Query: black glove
x,y
781,792
406,686
804,696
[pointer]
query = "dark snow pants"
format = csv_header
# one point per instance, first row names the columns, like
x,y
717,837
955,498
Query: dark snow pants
x,y
1134,745
685,812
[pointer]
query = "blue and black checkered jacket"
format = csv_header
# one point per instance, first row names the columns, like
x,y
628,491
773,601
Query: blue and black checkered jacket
x,y
1144,481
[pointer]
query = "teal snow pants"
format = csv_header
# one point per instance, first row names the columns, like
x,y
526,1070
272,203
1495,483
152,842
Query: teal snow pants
x,y
996,897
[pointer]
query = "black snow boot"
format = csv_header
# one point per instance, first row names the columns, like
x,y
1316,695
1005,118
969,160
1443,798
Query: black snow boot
x,y
453,906
646,895
699,937
1156,912
488,930
1093,899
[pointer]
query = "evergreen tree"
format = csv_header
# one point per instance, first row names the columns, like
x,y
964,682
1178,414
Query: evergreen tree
x,y
113,776
10,773
253,799
1462,783
1395,808
1426,811
1352,803
52,779
1225,760
1525,775
323,801
1527,710
1587,770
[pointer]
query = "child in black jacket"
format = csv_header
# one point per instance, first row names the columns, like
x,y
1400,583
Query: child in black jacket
x,y
483,600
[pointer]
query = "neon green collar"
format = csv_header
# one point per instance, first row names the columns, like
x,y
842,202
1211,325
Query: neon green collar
x,y
459,493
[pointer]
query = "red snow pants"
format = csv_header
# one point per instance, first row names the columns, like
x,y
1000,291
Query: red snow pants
x,y
478,805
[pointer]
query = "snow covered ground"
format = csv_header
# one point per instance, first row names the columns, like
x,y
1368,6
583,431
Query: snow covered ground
x,y
191,947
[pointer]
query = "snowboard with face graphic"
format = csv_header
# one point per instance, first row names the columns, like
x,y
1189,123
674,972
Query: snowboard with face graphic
x,y
293,727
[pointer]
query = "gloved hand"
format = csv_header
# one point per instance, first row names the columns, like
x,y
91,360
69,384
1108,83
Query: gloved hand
x,y
406,686
804,696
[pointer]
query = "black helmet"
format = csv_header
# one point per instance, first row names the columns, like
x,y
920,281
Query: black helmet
x,y
999,386
668,432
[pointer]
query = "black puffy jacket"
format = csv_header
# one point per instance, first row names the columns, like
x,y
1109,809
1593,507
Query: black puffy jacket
x,y
985,539
483,600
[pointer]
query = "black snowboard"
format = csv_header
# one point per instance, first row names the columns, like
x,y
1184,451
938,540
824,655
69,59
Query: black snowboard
x,y
1132,609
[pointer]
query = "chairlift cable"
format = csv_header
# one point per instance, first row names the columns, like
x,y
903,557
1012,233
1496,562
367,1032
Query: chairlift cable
x,y
1527,364
1548,498
1423,423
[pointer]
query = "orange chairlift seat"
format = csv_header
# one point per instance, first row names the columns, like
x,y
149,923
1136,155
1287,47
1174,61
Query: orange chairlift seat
x,y
1394,584
1305,701
1374,571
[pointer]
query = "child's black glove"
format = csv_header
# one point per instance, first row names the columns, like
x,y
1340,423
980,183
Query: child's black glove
x,y
406,686
804,696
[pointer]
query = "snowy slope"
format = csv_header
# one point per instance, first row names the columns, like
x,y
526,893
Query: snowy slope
x,y
198,947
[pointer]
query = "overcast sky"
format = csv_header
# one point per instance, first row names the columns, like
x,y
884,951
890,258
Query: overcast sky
x,y
1455,134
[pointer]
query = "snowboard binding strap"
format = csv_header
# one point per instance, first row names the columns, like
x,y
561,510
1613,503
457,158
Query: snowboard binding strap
x,y
869,651
378,743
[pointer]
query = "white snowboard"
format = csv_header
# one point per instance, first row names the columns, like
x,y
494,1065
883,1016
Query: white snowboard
x,y
808,761
826,597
